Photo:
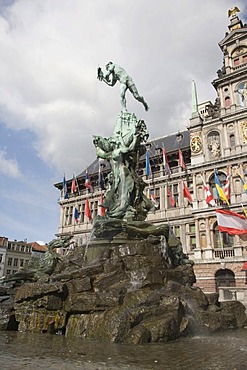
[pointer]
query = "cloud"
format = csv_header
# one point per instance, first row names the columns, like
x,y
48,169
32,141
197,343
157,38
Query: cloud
x,y
50,51
9,167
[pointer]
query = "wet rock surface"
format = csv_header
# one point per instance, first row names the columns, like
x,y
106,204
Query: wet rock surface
x,y
128,294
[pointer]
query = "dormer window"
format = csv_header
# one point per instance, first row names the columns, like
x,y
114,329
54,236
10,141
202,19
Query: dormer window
x,y
236,62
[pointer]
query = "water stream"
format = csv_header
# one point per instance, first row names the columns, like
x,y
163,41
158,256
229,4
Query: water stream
x,y
223,351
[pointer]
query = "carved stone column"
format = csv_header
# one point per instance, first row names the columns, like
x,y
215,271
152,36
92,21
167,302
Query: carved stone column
x,y
162,198
208,252
197,251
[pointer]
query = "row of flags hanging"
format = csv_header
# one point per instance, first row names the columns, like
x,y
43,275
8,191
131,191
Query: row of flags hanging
x,y
222,192
88,184
90,189
181,163
87,211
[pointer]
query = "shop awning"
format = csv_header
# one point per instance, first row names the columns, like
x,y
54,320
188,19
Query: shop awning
x,y
244,268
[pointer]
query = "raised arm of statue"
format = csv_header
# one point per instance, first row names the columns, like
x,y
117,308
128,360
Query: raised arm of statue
x,y
106,77
117,73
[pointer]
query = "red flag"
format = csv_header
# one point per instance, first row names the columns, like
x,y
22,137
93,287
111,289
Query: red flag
x,y
153,199
186,192
227,186
209,198
181,159
73,185
87,210
172,201
165,162
231,222
101,209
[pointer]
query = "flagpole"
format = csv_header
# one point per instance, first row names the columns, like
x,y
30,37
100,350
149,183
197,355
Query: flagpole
x,y
77,183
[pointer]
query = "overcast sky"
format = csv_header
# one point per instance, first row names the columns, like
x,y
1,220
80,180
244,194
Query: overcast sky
x,y
51,102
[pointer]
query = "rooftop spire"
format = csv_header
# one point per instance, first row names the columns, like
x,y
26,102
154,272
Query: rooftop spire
x,y
194,112
235,21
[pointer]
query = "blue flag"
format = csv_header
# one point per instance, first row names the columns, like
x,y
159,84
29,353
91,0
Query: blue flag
x,y
243,182
65,191
101,179
76,214
219,190
148,166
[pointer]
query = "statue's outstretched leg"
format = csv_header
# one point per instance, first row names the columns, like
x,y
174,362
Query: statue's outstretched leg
x,y
123,89
136,95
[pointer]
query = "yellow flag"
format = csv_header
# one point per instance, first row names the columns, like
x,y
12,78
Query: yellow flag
x,y
244,210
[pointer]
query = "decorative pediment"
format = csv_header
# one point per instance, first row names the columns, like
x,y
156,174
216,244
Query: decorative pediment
x,y
232,36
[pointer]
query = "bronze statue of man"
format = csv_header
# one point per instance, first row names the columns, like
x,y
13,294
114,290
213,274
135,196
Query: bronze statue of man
x,y
116,73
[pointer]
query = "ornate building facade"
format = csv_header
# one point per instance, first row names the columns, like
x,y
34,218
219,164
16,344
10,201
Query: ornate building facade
x,y
215,141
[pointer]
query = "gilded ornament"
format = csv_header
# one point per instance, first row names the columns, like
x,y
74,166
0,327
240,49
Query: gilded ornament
x,y
244,131
196,144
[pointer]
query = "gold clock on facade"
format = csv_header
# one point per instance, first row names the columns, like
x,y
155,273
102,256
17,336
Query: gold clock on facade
x,y
196,144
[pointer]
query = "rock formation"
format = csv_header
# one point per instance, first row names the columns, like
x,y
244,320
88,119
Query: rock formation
x,y
129,293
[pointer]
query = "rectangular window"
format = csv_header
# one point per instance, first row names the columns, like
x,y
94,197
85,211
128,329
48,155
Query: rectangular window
x,y
192,228
96,206
21,262
176,231
192,242
192,236
15,261
8,272
157,194
175,194
83,213
1,258
9,261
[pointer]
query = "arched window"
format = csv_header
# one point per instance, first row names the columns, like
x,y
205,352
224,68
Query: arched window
x,y
232,140
222,239
222,178
200,192
238,186
224,278
227,102
239,55
203,240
